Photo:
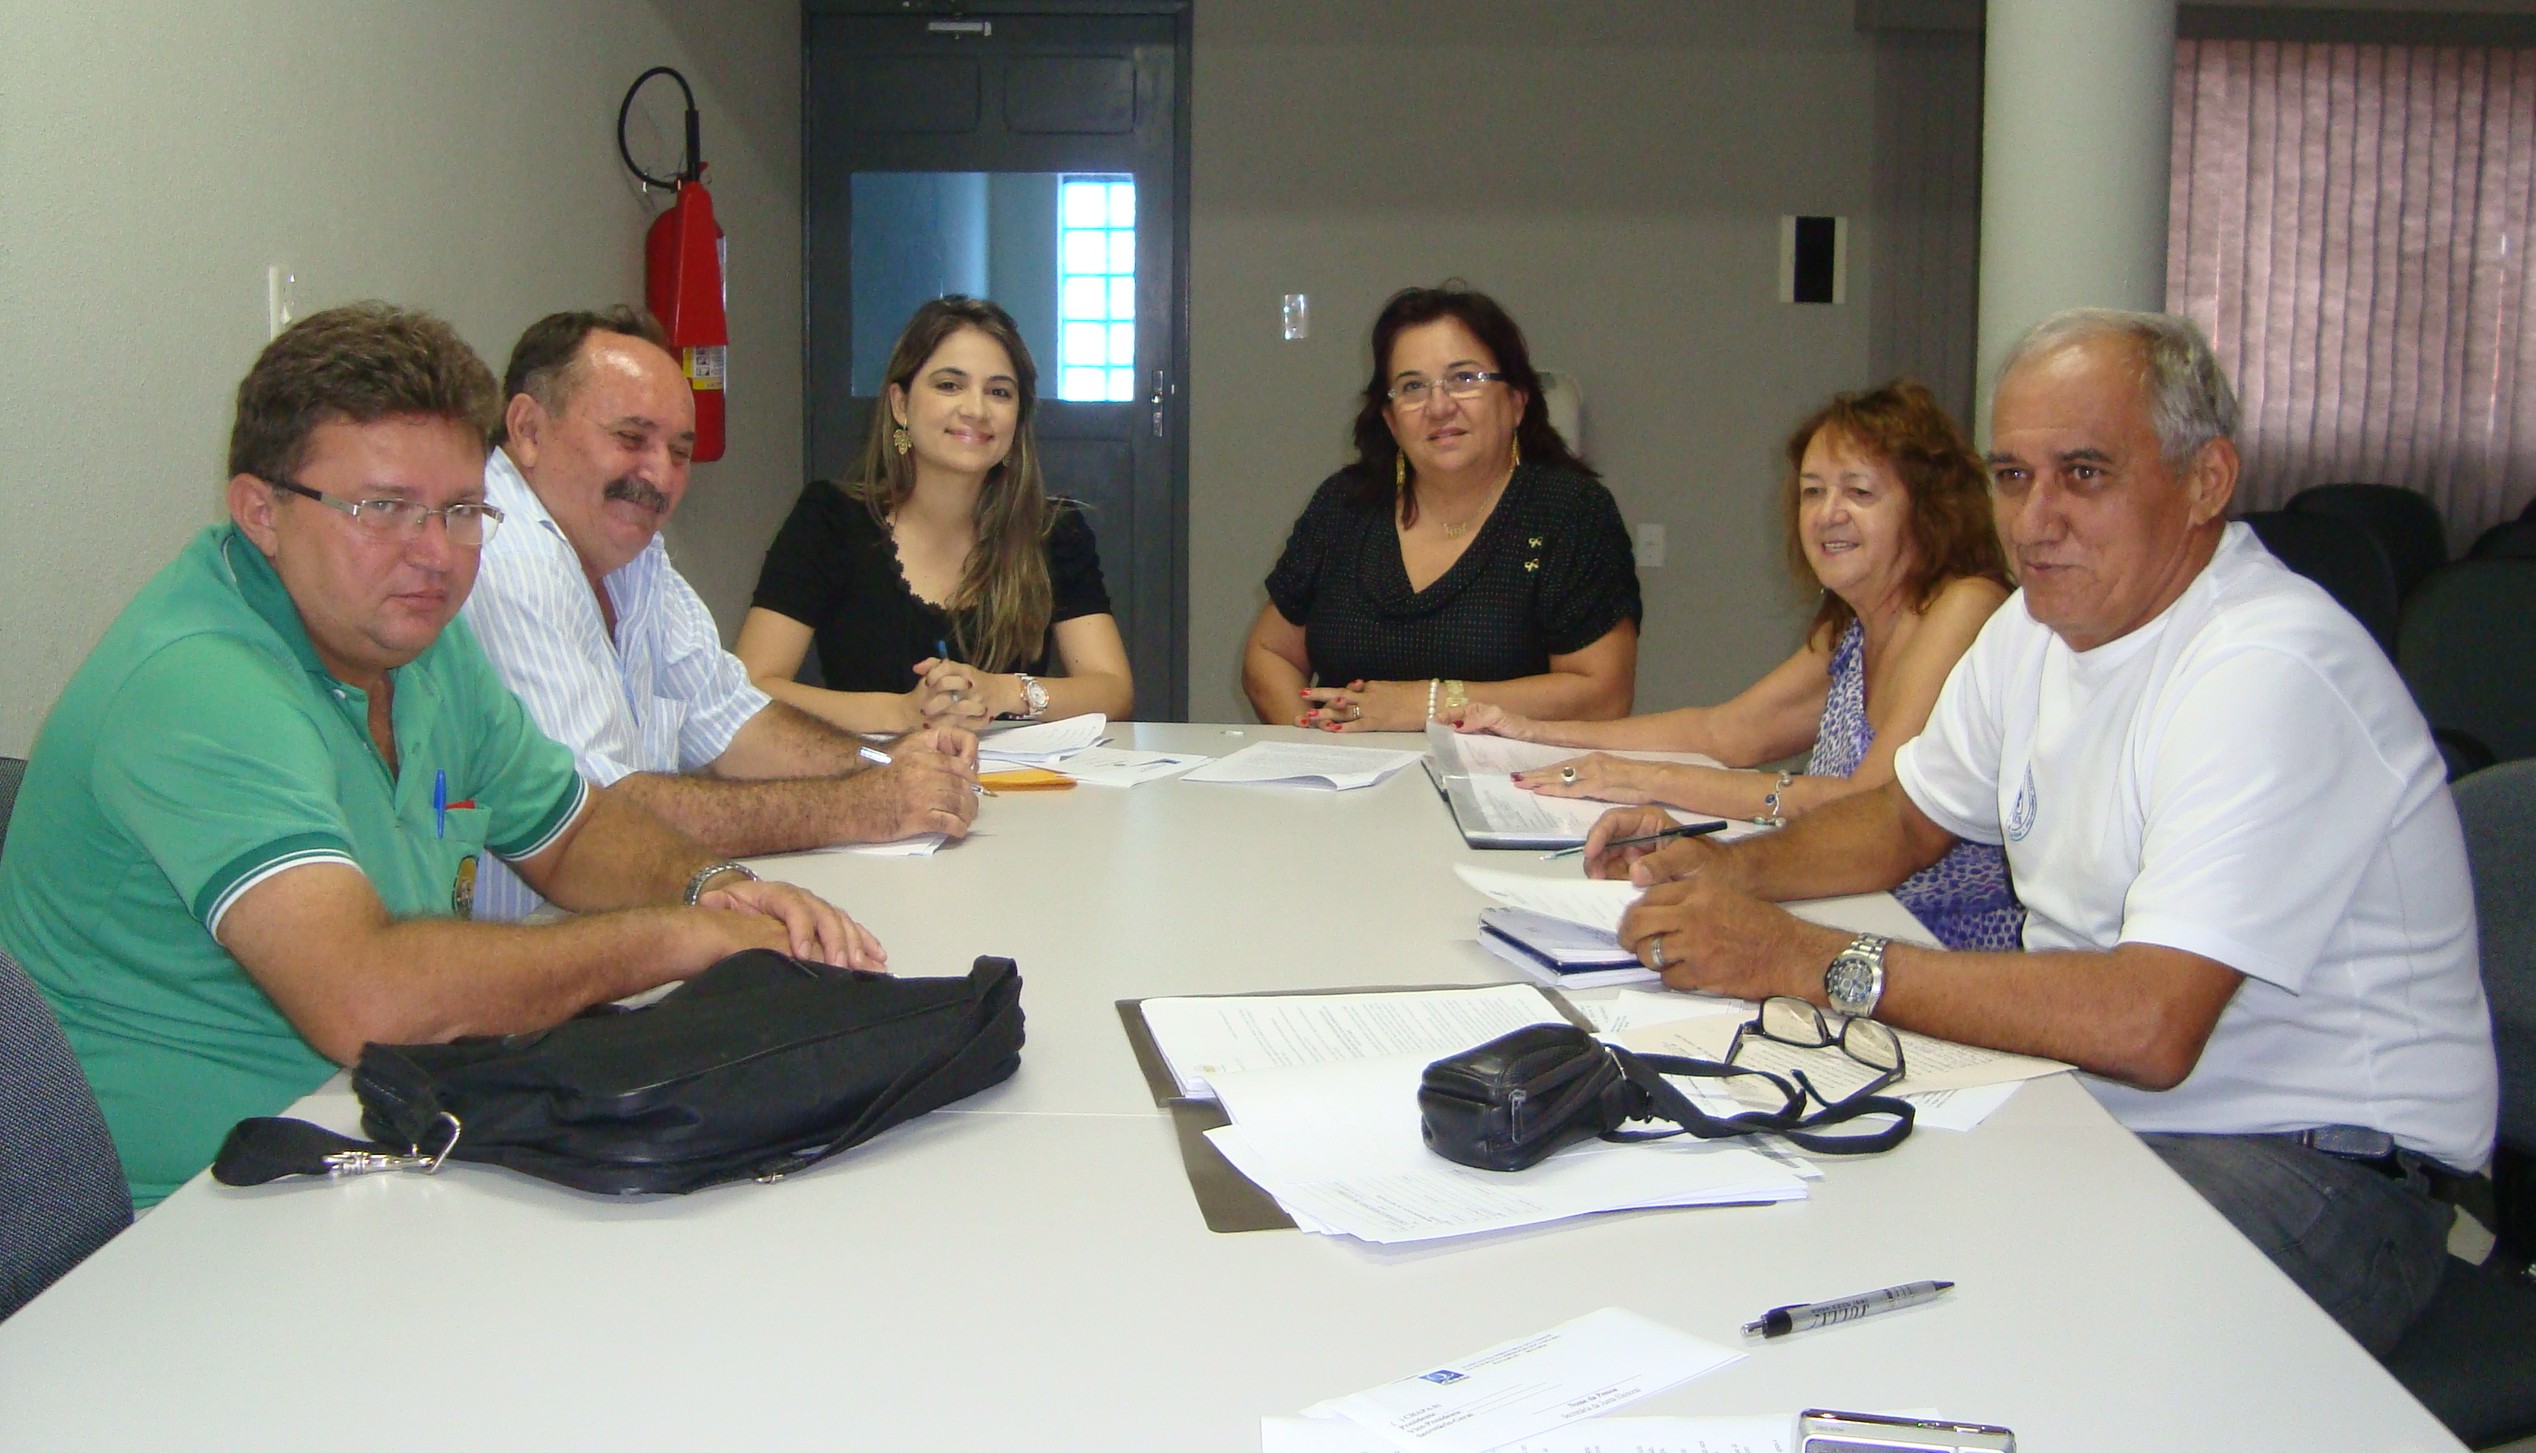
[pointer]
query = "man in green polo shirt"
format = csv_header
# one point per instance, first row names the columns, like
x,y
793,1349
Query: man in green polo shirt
x,y
249,833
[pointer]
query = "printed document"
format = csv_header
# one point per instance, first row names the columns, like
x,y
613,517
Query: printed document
x,y
1599,903
1532,1385
1117,767
1041,743
1476,753
1340,1147
1304,763
1199,1037
1593,1435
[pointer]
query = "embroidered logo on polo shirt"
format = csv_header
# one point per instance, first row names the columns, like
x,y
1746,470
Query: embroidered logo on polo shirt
x,y
2021,817
462,889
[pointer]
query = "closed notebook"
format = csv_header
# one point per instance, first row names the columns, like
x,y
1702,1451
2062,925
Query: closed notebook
x,y
1555,951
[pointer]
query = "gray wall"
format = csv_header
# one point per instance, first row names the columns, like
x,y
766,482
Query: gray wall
x,y
1614,172
461,156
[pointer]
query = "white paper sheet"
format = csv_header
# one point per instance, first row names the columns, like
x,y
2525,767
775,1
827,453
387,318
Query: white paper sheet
x,y
922,845
1339,1146
1199,1037
1305,763
1478,752
1040,743
1961,1109
1506,808
1534,1384
1600,902
1118,767
1929,1064
1594,1435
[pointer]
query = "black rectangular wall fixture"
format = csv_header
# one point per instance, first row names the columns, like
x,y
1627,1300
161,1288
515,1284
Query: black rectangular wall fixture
x,y
1813,259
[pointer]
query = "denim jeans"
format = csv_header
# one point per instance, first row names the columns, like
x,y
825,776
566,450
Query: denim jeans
x,y
2366,1246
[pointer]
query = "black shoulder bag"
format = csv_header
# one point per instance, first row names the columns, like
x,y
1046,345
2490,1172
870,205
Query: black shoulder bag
x,y
760,1066
1509,1103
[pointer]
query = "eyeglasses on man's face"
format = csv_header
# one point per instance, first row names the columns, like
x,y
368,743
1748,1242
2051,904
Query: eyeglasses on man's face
x,y
469,522
1413,393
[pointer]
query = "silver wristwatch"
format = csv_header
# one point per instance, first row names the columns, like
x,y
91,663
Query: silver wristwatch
x,y
1034,696
709,872
1855,980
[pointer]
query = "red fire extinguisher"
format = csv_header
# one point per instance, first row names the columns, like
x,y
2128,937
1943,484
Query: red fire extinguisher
x,y
683,259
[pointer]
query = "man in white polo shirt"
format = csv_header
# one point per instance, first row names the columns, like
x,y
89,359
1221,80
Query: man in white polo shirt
x,y
2249,919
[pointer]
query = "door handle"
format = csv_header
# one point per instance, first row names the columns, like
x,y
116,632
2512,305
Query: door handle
x,y
1156,402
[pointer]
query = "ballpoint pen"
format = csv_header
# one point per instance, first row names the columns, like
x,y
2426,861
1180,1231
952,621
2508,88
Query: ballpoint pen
x,y
440,804
1682,829
1806,1316
879,758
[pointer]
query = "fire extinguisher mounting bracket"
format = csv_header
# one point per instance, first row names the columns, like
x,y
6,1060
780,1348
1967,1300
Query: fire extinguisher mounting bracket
x,y
694,169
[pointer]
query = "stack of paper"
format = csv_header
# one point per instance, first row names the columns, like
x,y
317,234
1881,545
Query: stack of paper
x,y
1600,902
1339,1146
1040,743
1322,1092
1305,764
1506,1396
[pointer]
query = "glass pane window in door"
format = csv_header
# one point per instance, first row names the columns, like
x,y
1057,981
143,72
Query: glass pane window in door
x,y
1096,289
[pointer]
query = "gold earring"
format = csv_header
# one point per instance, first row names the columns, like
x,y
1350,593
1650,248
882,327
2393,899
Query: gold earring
x,y
899,441
1517,446
1400,470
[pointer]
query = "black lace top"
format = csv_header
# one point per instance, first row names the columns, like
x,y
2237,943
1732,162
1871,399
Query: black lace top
x,y
1551,572
835,569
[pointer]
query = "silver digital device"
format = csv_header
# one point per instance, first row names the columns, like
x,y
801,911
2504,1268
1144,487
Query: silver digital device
x,y
1820,1430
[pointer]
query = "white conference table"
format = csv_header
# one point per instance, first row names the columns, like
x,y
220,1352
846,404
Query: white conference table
x,y
1029,1269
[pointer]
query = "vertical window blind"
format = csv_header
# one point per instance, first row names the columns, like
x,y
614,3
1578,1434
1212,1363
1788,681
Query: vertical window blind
x,y
2350,224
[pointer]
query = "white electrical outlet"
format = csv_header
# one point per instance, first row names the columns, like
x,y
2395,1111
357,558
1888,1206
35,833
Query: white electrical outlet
x,y
280,304
1649,539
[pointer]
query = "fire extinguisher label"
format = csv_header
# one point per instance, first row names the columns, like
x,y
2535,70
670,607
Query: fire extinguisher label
x,y
706,367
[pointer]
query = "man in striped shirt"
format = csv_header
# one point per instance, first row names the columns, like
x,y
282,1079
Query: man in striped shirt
x,y
613,653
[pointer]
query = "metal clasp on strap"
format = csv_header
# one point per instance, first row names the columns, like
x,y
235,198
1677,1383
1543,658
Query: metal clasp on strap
x,y
362,1162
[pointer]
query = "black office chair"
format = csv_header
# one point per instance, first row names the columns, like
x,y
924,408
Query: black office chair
x,y
2407,524
62,1193
2472,1357
2508,540
2342,557
2467,648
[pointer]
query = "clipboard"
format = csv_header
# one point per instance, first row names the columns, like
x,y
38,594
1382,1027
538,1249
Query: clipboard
x,y
1230,1201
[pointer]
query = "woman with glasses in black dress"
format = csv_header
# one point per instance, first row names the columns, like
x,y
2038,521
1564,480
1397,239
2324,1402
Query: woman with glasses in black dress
x,y
1465,555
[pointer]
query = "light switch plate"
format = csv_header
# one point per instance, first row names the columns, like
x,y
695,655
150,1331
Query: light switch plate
x,y
1649,539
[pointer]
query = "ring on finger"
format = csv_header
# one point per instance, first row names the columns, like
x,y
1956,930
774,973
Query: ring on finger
x,y
1655,951
1568,775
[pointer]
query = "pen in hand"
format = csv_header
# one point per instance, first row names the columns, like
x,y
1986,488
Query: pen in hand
x,y
1683,829
879,758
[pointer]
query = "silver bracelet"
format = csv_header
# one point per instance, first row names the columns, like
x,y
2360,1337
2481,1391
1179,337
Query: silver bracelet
x,y
711,871
1770,814
1433,682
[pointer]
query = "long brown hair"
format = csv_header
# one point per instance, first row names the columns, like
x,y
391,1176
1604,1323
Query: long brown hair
x,y
999,613
1949,526
1377,460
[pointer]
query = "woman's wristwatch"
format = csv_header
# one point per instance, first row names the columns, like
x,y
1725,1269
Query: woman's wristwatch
x,y
1034,697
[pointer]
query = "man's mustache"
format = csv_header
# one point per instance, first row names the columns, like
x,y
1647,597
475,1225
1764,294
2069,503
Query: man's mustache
x,y
635,491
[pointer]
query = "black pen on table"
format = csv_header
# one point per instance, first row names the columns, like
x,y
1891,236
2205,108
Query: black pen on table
x,y
1806,1316
1679,829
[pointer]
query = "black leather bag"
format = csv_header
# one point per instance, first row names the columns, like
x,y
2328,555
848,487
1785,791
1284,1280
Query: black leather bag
x,y
1512,1102
760,1066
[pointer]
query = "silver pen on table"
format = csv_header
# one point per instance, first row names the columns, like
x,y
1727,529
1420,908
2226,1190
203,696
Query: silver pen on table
x,y
1806,1316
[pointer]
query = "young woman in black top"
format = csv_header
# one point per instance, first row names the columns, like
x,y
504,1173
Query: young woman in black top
x,y
1466,555
940,583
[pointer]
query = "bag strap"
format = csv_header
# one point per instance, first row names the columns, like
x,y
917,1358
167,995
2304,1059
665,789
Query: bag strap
x,y
269,1147
1665,1100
